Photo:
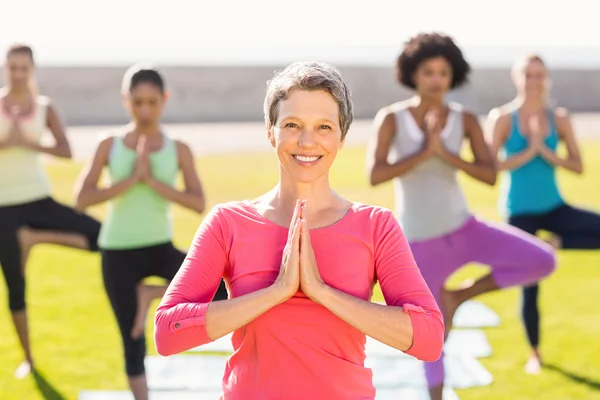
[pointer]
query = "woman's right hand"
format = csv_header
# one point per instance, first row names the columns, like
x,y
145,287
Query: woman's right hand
x,y
536,135
288,280
141,171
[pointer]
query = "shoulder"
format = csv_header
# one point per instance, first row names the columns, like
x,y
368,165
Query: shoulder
x,y
561,114
106,138
390,111
503,112
183,149
44,101
377,217
233,211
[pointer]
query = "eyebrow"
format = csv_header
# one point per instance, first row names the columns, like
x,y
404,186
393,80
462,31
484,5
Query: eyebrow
x,y
323,120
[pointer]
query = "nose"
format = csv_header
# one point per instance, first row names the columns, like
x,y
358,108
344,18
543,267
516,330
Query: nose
x,y
308,139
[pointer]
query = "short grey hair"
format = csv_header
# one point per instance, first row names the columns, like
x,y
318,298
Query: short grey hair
x,y
308,75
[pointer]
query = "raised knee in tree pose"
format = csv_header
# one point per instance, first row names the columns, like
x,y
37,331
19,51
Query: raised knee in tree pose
x,y
526,133
28,213
417,144
143,162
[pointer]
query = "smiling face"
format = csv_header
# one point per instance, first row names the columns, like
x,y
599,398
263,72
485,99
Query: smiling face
x,y
531,77
307,134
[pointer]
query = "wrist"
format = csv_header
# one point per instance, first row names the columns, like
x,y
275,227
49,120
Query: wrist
x,y
150,181
132,180
277,294
319,293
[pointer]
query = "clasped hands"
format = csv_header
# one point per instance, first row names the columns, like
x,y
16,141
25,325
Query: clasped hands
x,y
142,172
434,145
537,136
15,137
299,270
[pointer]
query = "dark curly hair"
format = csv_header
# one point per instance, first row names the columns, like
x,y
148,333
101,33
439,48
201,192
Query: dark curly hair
x,y
430,45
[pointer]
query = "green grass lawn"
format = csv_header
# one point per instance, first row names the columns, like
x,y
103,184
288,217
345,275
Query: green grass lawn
x,y
75,338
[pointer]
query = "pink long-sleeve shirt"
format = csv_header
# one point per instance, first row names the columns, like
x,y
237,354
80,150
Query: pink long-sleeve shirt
x,y
298,349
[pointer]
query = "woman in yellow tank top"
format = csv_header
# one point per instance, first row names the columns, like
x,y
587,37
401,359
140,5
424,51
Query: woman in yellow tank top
x,y
136,237
28,214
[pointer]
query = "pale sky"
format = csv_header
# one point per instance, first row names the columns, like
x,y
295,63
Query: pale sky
x,y
111,31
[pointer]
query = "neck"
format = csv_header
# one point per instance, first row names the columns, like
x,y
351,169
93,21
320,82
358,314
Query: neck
x,y
149,130
16,93
529,103
428,103
318,195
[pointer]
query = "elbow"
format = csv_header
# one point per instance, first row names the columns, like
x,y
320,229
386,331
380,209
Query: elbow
x,y
428,336
80,203
578,169
162,335
374,180
65,151
492,178
200,206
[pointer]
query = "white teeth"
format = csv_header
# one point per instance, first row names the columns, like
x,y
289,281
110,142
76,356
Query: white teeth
x,y
306,159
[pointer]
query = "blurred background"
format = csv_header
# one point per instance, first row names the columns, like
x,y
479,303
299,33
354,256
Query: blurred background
x,y
216,58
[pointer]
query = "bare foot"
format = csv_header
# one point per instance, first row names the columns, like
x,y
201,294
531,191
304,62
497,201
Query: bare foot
x,y
144,298
23,369
450,303
555,241
451,300
534,364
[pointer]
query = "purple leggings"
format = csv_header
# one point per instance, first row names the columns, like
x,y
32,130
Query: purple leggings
x,y
516,258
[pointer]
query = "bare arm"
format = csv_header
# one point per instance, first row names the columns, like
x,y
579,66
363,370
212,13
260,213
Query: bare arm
x,y
483,168
378,167
87,192
61,147
565,131
500,125
193,195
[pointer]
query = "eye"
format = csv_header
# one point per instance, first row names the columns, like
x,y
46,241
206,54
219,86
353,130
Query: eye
x,y
290,125
324,127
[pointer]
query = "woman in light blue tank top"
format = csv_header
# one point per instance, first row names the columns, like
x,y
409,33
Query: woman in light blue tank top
x,y
526,132
417,144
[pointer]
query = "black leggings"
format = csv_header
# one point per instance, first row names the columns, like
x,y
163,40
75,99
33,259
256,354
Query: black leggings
x,y
577,228
44,214
122,270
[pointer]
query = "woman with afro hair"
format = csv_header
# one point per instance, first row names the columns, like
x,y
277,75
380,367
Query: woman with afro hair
x,y
417,144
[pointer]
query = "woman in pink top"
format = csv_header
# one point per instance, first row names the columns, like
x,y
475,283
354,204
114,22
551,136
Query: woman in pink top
x,y
300,273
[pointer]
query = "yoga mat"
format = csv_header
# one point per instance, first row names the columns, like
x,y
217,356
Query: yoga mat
x,y
474,314
153,395
461,341
199,372
384,394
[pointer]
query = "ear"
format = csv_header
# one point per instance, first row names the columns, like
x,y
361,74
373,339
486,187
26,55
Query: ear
x,y
271,136
166,95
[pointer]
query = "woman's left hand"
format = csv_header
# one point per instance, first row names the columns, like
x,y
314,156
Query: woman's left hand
x,y
310,278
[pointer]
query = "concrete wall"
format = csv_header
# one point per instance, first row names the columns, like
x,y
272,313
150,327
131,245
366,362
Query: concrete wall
x,y
90,95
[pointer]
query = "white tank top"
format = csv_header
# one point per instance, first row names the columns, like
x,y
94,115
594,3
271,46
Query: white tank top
x,y
22,176
429,200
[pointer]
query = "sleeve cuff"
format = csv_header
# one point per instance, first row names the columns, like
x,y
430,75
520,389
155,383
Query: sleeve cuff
x,y
424,344
190,322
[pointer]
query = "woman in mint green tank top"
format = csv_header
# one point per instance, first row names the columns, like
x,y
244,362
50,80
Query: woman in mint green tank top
x,y
527,131
136,237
